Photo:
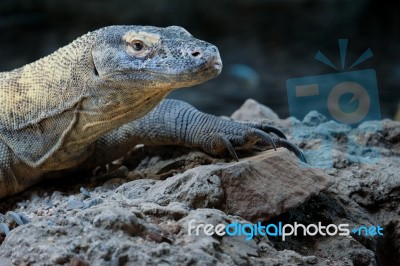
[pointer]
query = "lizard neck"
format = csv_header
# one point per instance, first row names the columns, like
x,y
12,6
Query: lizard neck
x,y
46,87
39,102
111,108
93,118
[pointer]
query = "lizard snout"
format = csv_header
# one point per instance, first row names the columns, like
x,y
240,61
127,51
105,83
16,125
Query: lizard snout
x,y
216,63
210,56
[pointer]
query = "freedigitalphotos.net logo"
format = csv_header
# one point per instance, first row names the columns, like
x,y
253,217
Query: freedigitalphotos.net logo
x,y
280,230
348,97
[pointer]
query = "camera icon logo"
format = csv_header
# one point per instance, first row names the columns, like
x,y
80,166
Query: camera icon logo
x,y
347,97
359,96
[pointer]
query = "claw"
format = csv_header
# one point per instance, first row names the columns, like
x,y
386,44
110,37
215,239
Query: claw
x,y
15,217
293,148
4,228
229,147
274,130
265,137
23,217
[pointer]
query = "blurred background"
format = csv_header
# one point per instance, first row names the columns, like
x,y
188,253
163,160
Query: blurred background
x,y
262,42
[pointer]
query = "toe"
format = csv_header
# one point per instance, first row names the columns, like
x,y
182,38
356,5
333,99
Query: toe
x,y
15,217
228,145
4,228
265,139
291,147
267,129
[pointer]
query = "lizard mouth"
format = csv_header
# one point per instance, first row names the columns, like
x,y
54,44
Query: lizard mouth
x,y
218,66
216,63
205,72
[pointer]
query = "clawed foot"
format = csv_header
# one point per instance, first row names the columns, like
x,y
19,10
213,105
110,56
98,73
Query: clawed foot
x,y
237,136
19,218
175,122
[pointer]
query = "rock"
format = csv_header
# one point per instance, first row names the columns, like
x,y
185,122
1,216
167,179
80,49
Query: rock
x,y
142,215
78,262
174,210
314,118
117,219
261,187
195,188
251,110
390,245
5,262
75,204
391,131
351,251
255,188
257,251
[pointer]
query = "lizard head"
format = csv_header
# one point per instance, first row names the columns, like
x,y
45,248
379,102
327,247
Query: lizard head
x,y
165,58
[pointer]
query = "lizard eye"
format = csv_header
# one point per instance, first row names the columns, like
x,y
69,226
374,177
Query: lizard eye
x,y
141,45
137,45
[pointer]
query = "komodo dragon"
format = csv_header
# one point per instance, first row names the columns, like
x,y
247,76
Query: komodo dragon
x,y
93,100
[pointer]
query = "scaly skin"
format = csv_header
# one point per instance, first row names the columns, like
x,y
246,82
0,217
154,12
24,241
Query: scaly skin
x,y
93,100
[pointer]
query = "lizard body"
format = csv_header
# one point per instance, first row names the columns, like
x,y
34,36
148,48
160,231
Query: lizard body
x,y
93,100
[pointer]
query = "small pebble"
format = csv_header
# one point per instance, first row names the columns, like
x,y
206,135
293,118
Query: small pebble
x,y
75,204
310,259
85,192
93,202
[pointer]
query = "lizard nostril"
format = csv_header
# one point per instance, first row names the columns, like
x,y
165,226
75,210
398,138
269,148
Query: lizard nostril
x,y
196,53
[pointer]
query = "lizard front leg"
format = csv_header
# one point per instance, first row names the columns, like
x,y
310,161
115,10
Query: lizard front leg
x,y
15,175
175,122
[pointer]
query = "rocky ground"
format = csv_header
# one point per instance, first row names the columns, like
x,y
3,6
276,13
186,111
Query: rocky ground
x,y
137,211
